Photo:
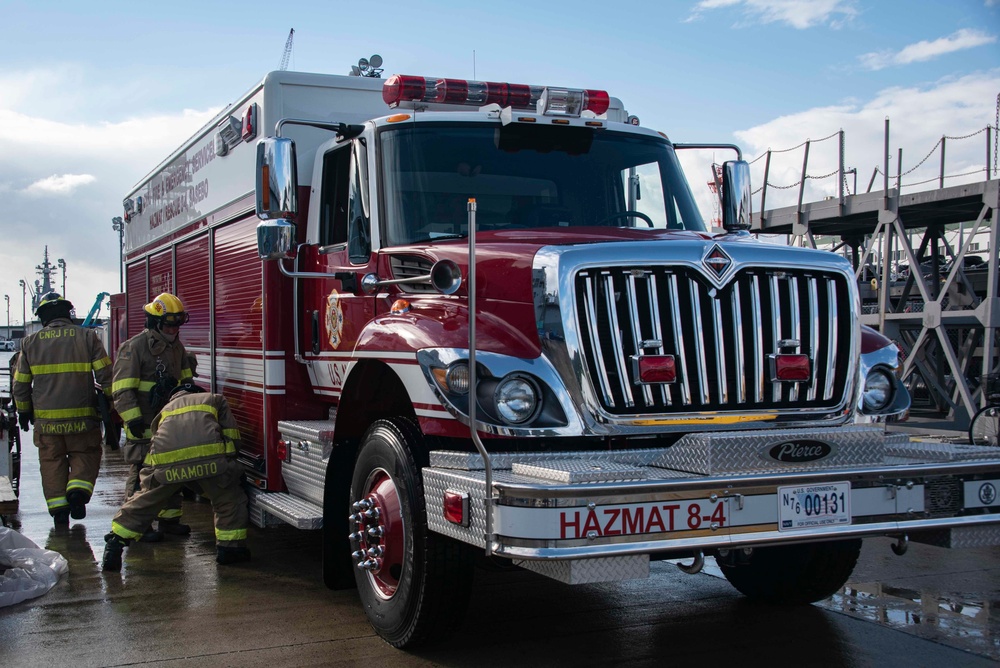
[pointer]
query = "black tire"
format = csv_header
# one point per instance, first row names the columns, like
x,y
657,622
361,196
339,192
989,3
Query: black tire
x,y
794,574
985,426
421,589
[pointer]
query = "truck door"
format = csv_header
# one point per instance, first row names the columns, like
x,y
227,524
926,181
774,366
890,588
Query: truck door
x,y
336,309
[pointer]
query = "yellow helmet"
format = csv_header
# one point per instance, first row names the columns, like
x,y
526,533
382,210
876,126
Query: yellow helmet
x,y
53,305
53,299
167,310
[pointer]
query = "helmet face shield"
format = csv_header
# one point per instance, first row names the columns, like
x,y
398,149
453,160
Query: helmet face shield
x,y
174,319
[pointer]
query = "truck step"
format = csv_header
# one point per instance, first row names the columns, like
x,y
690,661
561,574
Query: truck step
x,y
265,507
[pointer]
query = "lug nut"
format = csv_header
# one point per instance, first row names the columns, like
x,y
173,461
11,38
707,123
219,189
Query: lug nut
x,y
376,532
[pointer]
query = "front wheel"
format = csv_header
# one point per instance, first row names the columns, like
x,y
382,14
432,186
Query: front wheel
x,y
985,426
792,574
414,584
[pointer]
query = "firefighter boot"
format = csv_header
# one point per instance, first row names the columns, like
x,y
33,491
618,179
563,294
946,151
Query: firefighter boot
x,y
151,535
112,560
77,504
173,527
231,555
60,518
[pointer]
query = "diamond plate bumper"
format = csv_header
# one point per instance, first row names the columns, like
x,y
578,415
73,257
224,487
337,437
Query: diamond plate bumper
x,y
711,491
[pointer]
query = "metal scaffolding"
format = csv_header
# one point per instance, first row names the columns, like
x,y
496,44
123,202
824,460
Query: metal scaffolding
x,y
944,310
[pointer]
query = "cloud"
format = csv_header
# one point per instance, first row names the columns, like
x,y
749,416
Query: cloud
x,y
63,176
927,50
960,108
57,184
799,14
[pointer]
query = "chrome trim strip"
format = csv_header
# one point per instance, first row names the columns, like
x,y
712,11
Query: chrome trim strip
x,y
758,340
741,379
814,338
590,304
699,342
793,297
831,294
675,303
608,282
633,306
776,314
654,313
720,352
745,539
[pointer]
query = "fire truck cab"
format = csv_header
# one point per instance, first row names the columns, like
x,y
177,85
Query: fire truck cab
x,y
459,318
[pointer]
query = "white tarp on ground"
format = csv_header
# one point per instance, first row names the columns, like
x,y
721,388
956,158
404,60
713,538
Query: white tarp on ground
x,y
26,570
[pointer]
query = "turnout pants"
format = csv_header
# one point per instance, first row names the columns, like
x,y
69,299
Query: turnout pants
x,y
172,507
68,462
229,503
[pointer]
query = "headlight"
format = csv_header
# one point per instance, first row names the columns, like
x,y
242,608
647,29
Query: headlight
x,y
878,391
516,399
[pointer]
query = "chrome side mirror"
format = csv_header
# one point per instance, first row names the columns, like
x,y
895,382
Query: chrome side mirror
x,y
736,195
275,239
277,179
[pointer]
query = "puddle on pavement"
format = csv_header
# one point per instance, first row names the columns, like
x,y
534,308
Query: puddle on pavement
x,y
967,622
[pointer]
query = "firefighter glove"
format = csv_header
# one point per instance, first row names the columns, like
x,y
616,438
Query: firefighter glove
x,y
137,428
24,418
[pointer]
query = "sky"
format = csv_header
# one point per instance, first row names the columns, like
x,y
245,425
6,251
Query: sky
x,y
94,95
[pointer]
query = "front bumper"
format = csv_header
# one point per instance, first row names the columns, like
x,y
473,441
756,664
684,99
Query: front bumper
x,y
714,491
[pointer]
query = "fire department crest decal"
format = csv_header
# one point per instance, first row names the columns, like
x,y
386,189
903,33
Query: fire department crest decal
x,y
717,261
334,319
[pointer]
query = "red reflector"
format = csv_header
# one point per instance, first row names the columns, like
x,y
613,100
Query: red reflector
x,y
657,369
791,368
598,101
456,508
282,451
250,123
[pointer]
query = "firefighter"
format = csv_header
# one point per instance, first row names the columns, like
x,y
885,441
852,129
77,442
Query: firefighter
x,y
54,390
146,368
194,443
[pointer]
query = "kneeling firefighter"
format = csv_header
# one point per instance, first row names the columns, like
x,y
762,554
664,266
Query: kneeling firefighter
x,y
194,444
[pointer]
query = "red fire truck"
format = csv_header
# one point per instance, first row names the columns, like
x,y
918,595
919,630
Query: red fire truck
x,y
462,320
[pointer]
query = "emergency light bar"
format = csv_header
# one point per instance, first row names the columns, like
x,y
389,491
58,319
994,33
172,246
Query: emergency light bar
x,y
555,101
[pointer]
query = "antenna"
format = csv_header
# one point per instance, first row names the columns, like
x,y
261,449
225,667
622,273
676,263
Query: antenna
x,y
288,51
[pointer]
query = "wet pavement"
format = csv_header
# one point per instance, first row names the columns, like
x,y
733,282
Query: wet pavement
x,y
172,605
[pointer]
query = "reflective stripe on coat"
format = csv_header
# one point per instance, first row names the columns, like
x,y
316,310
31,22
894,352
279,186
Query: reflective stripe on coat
x,y
55,374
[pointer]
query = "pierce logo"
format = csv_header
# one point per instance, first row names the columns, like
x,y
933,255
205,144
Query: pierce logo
x,y
797,452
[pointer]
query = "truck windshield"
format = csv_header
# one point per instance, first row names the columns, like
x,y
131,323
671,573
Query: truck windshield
x,y
525,177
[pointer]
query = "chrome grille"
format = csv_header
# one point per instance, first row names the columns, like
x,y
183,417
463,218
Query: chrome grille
x,y
720,337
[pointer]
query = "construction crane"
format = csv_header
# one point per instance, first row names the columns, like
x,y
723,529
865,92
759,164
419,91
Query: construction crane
x,y
288,51
91,320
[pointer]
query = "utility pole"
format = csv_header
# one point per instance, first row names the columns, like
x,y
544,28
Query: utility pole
x,y
7,297
61,263
118,225
24,293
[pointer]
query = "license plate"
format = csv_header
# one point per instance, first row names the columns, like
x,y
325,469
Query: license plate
x,y
812,506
